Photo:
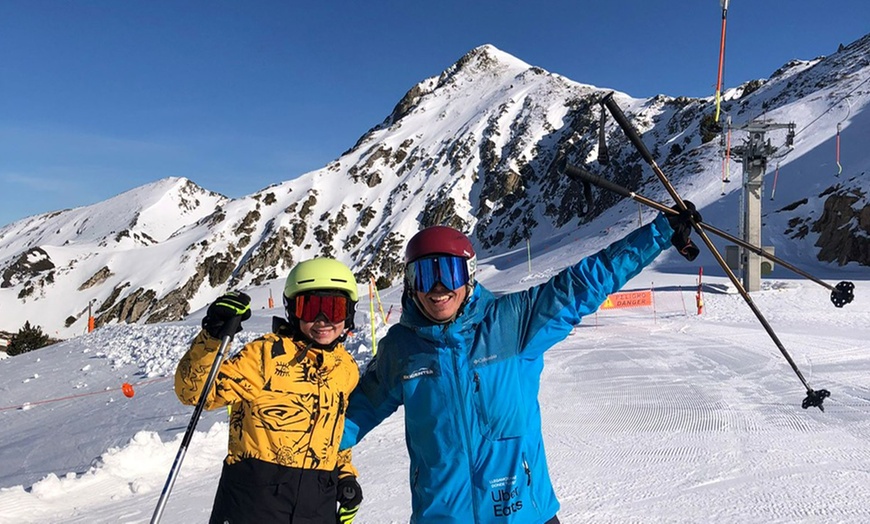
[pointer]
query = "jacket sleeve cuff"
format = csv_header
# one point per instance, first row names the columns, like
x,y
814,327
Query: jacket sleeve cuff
x,y
663,229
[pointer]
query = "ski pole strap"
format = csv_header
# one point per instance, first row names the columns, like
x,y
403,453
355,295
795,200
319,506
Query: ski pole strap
x,y
582,178
815,398
603,156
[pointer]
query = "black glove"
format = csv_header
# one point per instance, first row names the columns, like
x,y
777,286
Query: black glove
x,y
348,495
682,226
233,304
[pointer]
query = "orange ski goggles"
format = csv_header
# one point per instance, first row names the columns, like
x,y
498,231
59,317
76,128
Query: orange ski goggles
x,y
335,308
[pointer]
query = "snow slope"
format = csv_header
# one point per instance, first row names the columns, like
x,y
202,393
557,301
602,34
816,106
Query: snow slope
x,y
649,416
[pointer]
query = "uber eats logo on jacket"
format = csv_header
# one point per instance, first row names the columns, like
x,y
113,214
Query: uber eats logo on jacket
x,y
505,496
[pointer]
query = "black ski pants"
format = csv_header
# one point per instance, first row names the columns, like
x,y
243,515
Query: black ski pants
x,y
256,492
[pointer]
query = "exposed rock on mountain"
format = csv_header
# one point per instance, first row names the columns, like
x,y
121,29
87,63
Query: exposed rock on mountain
x,y
475,147
844,227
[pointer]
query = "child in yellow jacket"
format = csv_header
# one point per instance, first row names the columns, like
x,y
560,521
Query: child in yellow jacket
x,y
288,393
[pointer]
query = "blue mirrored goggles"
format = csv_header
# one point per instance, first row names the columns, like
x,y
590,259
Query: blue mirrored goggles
x,y
450,271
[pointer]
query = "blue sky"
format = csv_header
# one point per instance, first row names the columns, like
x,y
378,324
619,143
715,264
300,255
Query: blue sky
x,y
98,97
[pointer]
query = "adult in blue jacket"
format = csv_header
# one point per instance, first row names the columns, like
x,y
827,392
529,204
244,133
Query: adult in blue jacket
x,y
467,367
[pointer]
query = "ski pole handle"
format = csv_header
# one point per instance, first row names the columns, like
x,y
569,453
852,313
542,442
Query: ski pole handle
x,y
231,327
627,128
580,174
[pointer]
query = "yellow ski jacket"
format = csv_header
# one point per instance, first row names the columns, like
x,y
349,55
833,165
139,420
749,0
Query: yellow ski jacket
x,y
287,400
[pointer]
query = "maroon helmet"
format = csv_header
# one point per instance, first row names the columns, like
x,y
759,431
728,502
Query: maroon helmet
x,y
440,240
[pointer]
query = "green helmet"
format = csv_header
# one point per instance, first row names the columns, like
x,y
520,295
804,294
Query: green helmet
x,y
320,273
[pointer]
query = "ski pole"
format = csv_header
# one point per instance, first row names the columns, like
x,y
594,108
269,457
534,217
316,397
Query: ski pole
x,y
230,329
814,397
841,295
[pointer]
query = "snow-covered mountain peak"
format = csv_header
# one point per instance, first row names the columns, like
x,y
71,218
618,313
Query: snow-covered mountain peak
x,y
149,213
475,147
485,59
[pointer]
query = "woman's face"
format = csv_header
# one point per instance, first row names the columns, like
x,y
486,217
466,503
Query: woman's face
x,y
321,331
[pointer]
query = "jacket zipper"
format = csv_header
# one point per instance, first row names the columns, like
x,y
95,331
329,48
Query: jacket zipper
x,y
529,483
337,417
483,412
465,430
315,416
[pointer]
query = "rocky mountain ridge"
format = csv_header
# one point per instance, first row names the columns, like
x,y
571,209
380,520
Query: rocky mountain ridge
x,y
475,147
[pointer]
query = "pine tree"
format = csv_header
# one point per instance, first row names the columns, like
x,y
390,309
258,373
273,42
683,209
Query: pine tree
x,y
27,339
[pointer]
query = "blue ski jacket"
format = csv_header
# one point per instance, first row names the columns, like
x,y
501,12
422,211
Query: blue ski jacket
x,y
470,389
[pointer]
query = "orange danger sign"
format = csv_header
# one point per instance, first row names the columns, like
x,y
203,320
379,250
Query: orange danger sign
x,y
628,299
